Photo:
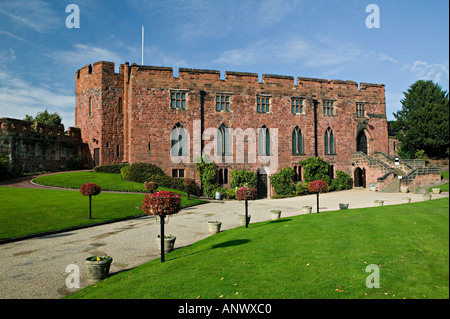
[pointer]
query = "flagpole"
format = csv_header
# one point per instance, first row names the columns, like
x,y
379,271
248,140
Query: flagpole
x,y
142,45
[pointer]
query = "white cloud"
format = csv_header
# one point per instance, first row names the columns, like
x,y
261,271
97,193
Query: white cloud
x,y
19,97
9,34
37,14
324,53
195,19
428,71
83,54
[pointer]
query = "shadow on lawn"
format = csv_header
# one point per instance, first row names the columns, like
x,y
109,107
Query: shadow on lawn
x,y
229,243
235,242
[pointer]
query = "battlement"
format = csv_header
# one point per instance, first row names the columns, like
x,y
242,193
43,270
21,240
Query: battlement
x,y
10,126
167,73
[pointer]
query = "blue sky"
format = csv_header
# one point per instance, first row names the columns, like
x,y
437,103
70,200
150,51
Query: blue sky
x,y
329,39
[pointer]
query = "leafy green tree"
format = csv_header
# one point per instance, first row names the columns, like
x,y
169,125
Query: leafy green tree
x,y
282,181
315,169
45,117
243,178
423,121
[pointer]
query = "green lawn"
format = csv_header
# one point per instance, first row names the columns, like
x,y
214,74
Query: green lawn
x,y
30,211
107,181
309,256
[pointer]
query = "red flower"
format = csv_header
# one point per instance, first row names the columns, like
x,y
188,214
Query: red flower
x,y
90,189
162,202
317,187
244,193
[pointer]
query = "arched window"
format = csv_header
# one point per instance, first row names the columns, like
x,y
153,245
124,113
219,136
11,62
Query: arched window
x,y
329,142
297,141
264,141
223,141
178,137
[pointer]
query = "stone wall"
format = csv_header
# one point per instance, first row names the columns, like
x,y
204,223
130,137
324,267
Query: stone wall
x,y
40,147
143,130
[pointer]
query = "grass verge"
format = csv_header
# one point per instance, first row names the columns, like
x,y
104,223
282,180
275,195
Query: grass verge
x,y
107,181
30,211
321,256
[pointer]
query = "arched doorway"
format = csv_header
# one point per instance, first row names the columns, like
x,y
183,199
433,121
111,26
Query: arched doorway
x,y
360,177
262,183
361,142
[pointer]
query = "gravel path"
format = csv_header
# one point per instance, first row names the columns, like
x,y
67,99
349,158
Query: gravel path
x,y
36,268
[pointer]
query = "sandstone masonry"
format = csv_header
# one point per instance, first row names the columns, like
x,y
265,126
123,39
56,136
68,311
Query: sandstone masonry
x,y
130,117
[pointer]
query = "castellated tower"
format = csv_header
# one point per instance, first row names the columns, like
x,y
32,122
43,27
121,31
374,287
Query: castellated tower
x,y
131,116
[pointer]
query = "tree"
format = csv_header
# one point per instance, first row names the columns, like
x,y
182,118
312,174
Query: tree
x,y
45,117
315,168
423,121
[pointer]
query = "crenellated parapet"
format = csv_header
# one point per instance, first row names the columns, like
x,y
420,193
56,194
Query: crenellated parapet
x,y
37,129
213,77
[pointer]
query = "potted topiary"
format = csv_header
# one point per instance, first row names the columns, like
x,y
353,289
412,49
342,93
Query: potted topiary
x,y
436,190
169,243
246,194
275,214
317,187
97,267
162,204
90,189
378,202
404,189
406,200
307,209
214,227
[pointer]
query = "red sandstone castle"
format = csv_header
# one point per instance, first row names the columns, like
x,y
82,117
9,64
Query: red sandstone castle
x,y
141,114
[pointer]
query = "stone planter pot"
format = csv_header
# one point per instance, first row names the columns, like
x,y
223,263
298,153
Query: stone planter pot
x,y
406,200
214,227
241,219
169,243
436,190
343,206
378,202
426,197
307,209
404,189
275,214
97,269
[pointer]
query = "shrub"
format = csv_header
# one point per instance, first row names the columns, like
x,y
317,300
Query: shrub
x,y
341,182
75,164
4,165
231,193
161,203
151,186
314,169
243,177
221,190
110,168
125,172
282,181
207,171
301,188
142,172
